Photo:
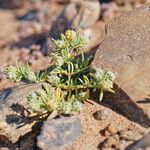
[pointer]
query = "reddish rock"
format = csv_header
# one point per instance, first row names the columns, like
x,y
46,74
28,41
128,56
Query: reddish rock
x,y
95,34
126,51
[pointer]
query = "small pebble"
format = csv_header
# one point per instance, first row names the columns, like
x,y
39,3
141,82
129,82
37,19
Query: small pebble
x,y
112,129
109,130
102,114
37,54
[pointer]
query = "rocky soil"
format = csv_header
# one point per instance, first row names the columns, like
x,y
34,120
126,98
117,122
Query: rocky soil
x,y
122,120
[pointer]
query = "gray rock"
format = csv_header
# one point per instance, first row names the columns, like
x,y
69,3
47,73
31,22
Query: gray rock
x,y
77,14
88,12
14,123
125,51
143,143
19,94
11,3
59,132
81,16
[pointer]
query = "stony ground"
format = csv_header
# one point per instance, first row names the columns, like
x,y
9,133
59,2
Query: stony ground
x,y
105,130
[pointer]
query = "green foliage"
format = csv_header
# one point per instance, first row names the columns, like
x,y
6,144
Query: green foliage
x,y
102,80
67,47
18,73
71,78
46,101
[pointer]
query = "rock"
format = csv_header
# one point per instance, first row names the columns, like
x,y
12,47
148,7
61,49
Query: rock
x,y
143,143
125,51
77,14
95,34
122,144
24,54
30,33
63,1
116,141
111,129
130,135
37,55
47,47
81,16
59,132
5,142
2,76
102,114
11,3
28,142
39,15
14,123
125,2
4,148
111,142
19,94
88,12
110,10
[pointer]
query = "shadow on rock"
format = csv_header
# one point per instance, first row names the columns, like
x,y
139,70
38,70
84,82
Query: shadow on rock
x,y
145,101
5,142
143,143
59,26
121,103
3,95
126,106
31,40
37,15
29,16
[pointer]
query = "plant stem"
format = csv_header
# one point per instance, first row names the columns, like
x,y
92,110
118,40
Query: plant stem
x,y
69,88
101,94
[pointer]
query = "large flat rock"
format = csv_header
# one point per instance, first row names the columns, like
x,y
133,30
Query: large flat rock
x,y
13,122
126,51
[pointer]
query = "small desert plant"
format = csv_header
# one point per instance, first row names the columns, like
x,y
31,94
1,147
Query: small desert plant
x,y
71,78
